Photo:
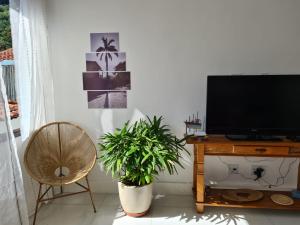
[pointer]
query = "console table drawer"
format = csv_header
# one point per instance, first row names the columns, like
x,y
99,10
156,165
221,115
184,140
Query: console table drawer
x,y
260,150
294,151
218,149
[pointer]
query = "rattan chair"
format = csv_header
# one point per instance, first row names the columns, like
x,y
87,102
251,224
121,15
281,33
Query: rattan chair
x,y
57,154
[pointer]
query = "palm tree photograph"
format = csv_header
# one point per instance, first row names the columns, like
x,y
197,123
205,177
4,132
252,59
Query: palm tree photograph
x,y
100,81
106,61
107,99
108,42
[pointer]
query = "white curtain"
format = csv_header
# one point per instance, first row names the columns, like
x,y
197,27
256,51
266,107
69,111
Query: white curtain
x,y
33,76
13,210
34,79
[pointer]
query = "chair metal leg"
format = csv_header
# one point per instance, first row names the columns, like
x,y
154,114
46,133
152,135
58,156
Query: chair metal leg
x,y
89,189
40,197
37,204
61,175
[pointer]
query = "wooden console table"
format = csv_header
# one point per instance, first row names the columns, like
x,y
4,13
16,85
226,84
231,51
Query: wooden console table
x,y
220,146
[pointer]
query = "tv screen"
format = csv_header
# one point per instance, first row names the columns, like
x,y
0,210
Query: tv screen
x,y
253,105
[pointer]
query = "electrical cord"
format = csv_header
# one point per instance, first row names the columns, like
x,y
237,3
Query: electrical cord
x,y
228,174
281,178
222,161
227,164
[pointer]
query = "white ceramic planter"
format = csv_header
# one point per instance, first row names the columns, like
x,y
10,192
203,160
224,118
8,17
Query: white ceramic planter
x,y
135,200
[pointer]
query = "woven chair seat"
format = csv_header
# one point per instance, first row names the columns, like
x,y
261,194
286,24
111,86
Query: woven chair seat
x,y
59,153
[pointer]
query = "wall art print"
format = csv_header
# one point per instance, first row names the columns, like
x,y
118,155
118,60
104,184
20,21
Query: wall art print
x,y
104,42
107,99
106,79
105,61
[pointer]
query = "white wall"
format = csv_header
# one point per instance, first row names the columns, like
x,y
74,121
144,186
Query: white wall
x,y
171,46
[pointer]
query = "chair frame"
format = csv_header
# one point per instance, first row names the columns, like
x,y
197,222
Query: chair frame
x,y
41,195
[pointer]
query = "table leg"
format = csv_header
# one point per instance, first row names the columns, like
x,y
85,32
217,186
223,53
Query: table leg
x,y
298,184
200,184
194,171
199,207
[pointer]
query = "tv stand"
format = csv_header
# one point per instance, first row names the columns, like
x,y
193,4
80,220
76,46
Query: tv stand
x,y
221,146
254,137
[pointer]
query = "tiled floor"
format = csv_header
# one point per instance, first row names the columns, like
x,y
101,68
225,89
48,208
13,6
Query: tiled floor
x,y
165,210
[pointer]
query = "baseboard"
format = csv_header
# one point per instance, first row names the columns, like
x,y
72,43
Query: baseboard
x,y
166,188
173,188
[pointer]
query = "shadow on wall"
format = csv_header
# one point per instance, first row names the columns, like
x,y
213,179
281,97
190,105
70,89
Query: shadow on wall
x,y
107,122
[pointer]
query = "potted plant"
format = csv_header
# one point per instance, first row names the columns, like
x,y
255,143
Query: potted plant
x,y
135,155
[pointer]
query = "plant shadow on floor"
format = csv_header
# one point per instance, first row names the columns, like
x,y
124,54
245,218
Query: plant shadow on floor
x,y
182,212
185,216
216,218
182,209
224,218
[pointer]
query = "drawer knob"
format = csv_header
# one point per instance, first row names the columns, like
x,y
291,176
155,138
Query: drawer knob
x,y
260,149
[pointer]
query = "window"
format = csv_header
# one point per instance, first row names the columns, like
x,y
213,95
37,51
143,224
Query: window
x,y
7,63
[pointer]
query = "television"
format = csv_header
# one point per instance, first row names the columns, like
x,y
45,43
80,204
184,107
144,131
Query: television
x,y
253,106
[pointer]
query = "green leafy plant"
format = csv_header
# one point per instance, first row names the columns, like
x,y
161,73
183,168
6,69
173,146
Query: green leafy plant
x,y
136,154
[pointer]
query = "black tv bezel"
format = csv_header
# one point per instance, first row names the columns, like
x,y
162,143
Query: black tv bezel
x,y
251,131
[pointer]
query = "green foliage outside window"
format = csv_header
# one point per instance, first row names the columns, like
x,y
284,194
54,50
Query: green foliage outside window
x,y
5,32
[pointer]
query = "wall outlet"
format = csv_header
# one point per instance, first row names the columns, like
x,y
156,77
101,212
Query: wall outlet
x,y
233,168
255,167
